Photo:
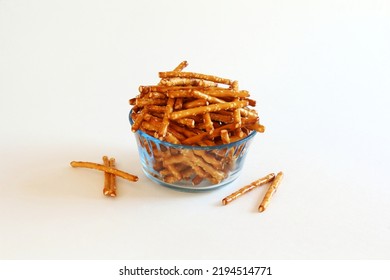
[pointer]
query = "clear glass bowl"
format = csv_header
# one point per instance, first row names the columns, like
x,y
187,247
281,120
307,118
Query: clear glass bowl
x,y
191,168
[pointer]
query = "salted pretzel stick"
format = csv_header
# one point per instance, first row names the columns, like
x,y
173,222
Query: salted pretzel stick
x,y
112,178
173,74
178,103
225,136
106,188
234,86
195,103
225,92
271,190
213,99
251,186
164,127
178,68
176,81
208,123
138,121
208,108
111,170
198,137
181,66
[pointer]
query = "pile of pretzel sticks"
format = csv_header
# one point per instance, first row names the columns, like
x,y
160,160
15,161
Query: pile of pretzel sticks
x,y
194,109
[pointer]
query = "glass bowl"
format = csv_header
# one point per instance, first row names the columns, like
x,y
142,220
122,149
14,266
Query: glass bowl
x,y
191,168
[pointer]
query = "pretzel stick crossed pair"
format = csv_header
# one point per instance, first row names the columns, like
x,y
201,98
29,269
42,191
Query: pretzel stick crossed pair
x,y
110,173
275,181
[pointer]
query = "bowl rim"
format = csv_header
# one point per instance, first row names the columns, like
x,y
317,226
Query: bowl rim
x,y
180,146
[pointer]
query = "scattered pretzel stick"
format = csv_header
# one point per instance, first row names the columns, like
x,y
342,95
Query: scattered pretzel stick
x,y
112,178
111,170
271,190
107,177
251,186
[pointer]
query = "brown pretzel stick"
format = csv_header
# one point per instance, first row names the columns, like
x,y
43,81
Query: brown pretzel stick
x,y
164,127
251,186
186,82
107,177
192,75
271,190
138,121
181,66
111,170
112,178
209,108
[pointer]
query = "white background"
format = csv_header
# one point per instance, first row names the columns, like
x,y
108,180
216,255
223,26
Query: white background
x,y
319,71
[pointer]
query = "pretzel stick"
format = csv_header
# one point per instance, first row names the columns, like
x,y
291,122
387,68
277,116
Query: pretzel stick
x,y
195,103
181,66
234,86
177,81
141,102
106,188
164,127
192,75
200,136
178,103
101,167
237,118
271,190
137,123
208,123
213,99
251,186
209,108
112,178
225,136
224,92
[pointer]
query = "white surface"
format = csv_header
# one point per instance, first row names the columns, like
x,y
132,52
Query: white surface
x,y
319,71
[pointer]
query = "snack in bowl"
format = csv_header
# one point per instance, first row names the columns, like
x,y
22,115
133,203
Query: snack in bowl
x,y
193,130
